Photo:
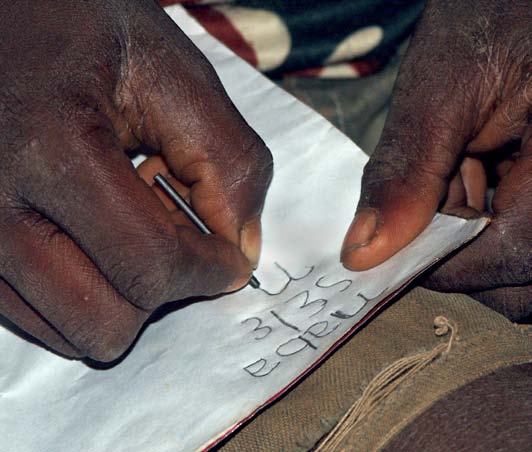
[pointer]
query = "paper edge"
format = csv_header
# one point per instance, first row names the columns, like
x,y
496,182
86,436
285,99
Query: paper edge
x,y
483,222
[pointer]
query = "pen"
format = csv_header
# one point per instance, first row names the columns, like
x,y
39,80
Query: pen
x,y
189,212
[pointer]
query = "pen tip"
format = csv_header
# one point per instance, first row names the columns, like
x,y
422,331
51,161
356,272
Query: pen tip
x,y
254,282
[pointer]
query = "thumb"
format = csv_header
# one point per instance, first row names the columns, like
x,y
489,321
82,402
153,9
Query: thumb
x,y
397,203
408,175
178,107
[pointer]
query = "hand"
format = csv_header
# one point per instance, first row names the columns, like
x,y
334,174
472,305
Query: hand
x,y
88,250
463,99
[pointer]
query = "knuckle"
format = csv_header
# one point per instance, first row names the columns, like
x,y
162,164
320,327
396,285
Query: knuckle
x,y
145,274
102,342
263,162
148,288
256,164
515,259
243,176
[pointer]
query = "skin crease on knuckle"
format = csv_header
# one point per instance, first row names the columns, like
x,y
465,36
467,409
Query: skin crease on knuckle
x,y
104,339
148,274
240,180
100,335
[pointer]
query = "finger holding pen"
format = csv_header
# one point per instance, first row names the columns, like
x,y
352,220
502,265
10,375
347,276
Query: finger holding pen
x,y
189,212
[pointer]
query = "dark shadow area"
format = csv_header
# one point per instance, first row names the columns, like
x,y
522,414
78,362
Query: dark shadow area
x,y
10,326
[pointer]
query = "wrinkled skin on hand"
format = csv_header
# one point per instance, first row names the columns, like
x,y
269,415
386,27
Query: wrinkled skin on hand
x,y
462,105
88,249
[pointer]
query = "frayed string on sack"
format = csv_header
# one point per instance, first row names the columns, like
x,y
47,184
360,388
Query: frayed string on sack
x,y
384,383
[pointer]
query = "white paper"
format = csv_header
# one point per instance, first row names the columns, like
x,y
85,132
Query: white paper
x,y
201,370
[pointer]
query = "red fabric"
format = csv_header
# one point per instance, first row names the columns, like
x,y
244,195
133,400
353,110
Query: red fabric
x,y
221,28
165,3
366,67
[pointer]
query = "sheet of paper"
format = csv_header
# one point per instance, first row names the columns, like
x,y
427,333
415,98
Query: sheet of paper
x,y
197,373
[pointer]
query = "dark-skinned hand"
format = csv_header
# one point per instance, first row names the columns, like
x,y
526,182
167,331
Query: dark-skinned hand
x,y
88,249
461,110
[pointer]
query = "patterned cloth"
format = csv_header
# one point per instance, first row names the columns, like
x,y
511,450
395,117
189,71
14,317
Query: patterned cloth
x,y
309,38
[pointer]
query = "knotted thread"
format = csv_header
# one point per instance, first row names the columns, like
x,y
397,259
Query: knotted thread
x,y
384,383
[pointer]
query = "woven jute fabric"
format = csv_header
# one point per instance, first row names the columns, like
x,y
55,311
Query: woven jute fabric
x,y
485,342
